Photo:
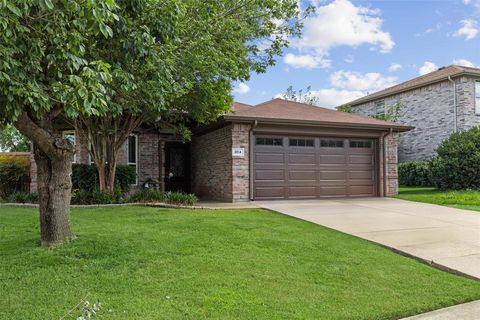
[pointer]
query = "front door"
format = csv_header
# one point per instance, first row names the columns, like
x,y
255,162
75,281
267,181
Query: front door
x,y
177,167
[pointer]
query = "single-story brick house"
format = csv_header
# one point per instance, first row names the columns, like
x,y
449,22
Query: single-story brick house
x,y
275,150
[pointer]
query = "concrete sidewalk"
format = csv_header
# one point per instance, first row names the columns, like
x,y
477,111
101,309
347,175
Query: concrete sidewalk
x,y
446,237
466,311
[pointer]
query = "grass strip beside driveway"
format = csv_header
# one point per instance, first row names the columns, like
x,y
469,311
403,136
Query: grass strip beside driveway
x,y
462,199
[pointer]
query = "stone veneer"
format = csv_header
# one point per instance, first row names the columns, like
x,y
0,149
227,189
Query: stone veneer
x,y
216,174
430,110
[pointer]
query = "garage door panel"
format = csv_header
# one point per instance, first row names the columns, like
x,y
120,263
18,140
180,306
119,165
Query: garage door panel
x,y
261,157
332,175
301,175
361,159
302,192
301,158
340,167
333,191
270,175
270,192
332,159
362,190
359,175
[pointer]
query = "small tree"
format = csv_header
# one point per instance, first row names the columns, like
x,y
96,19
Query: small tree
x,y
306,96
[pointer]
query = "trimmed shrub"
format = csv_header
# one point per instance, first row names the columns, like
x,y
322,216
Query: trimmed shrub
x,y
147,195
85,177
457,165
125,177
84,197
414,174
153,195
13,178
23,197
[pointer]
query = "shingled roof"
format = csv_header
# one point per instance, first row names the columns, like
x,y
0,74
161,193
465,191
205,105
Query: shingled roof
x,y
429,78
284,111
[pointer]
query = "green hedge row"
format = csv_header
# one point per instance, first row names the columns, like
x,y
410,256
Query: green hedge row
x,y
414,174
83,197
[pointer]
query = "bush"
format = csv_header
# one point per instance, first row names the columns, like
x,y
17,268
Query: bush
x,y
23,197
153,195
85,177
84,197
414,174
13,178
457,165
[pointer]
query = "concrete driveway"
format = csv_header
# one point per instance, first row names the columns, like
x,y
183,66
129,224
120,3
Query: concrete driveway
x,y
445,236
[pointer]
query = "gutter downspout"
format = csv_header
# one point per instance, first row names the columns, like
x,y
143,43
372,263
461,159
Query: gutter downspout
x,y
250,162
454,103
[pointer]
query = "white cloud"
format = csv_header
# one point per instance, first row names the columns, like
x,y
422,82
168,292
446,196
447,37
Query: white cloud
x,y
331,98
474,3
427,68
305,61
394,67
464,62
346,86
349,59
241,88
369,82
341,23
469,29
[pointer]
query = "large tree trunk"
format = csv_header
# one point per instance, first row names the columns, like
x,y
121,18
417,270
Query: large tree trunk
x,y
54,191
53,156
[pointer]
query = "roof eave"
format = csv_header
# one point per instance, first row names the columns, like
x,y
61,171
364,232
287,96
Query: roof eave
x,y
386,127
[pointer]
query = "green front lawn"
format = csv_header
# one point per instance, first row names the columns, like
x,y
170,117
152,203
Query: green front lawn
x,y
152,263
463,199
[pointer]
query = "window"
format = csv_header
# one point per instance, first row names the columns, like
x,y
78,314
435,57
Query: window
x,y
360,144
268,141
477,97
380,108
132,153
300,142
70,136
324,143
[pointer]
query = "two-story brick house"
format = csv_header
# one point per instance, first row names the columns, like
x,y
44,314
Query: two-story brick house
x,y
436,104
275,150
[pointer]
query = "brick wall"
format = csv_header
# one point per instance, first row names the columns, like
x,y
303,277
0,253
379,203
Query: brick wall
x,y
430,110
148,158
216,174
392,164
241,165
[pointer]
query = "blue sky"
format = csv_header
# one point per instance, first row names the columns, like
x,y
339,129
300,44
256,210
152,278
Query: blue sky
x,y
351,48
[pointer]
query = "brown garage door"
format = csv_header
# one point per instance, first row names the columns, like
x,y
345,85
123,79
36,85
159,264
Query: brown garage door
x,y
313,167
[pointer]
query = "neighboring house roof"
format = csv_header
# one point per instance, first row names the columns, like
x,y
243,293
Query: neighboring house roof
x,y
238,107
441,74
284,111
